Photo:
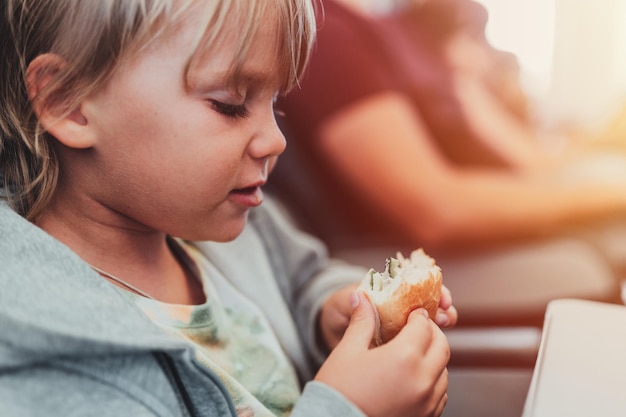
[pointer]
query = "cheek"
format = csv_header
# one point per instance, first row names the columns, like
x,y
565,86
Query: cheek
x,y
198,169
178,148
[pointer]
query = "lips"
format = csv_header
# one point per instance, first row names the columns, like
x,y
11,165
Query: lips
x,y
250,186
250,196
246,190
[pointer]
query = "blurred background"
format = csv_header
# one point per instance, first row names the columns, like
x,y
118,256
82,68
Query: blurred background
x,y
569,78
571,56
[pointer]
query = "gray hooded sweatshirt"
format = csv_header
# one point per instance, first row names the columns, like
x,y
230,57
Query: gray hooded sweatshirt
x,y
72,345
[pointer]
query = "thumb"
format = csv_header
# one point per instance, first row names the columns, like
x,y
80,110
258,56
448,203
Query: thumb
x,y
362,324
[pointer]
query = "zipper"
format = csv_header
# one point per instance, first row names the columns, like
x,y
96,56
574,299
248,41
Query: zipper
x,y
167,364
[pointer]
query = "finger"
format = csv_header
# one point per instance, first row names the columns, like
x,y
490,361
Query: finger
x,y
447,318
442,405
440,392
333,324
446,298
344,306
435,353
438,353
417,332
362,326
441,387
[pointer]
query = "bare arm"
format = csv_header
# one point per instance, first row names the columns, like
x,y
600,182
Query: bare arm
x,y
498,129
381,146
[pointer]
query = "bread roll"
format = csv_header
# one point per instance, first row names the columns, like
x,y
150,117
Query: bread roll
x,y
405,285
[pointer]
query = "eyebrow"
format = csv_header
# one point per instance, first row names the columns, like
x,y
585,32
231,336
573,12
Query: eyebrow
x,y
250,77
207,80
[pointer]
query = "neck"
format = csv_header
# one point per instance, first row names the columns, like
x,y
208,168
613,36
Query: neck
x,y
139,257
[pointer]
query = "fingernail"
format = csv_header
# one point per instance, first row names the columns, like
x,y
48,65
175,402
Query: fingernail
x,y
442,319
354,300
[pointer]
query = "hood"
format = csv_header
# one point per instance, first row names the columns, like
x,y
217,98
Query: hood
x,y
53,305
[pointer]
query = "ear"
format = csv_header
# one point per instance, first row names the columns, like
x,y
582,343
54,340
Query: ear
x,y
69,127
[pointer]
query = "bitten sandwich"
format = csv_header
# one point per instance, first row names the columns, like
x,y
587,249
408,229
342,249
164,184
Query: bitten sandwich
x,y
405,285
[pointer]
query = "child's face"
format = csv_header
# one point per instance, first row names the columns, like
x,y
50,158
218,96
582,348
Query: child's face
x,y
187,161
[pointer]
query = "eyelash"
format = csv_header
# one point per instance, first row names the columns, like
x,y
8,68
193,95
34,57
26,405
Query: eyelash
x,y
234,111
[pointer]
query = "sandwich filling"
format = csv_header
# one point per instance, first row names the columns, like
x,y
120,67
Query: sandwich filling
x,y
416,268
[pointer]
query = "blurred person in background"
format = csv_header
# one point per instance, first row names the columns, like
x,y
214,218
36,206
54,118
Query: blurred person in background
x,y
424,138
410,129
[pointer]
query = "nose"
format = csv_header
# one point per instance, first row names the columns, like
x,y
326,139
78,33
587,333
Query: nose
x,y
269,141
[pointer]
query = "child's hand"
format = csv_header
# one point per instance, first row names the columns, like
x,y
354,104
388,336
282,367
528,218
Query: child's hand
x,y
335,315
447,315
405,377
336,311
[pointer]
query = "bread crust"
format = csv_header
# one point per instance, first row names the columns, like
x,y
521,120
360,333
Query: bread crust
x,y
393,310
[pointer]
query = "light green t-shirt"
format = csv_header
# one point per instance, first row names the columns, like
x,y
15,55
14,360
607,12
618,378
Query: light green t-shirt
x,y
234,339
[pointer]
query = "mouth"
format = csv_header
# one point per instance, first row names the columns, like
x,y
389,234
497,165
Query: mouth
x,y
251,188
251,196
245,190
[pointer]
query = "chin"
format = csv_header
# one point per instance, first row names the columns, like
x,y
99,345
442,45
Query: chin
x,y
215,228
225,232
226,237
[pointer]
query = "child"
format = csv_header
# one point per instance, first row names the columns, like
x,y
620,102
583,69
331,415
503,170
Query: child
x,y
130,130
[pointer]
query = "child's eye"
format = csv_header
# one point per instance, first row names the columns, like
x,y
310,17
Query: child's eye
x,y
234,111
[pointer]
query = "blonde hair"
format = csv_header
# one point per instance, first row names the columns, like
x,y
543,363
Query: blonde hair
x,y
93,37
